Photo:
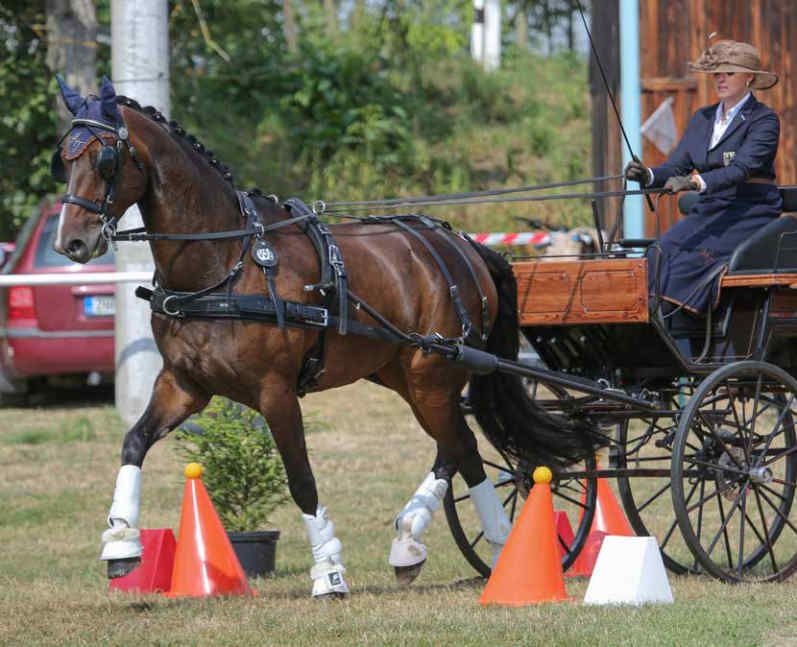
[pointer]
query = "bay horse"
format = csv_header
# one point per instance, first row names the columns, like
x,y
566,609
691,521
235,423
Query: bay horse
x,y
117,154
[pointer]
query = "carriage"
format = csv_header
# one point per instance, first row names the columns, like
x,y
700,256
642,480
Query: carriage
x,y
698,416
694,412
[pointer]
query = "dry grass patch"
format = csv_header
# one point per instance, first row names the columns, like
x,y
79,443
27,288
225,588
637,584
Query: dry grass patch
x,y
368,458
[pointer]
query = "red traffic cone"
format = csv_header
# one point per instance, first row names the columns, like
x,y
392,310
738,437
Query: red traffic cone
x,y
205,563
609,519
528,569
154,575
609,516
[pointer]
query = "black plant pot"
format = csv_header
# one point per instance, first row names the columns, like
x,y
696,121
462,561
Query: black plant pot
x,y
256,550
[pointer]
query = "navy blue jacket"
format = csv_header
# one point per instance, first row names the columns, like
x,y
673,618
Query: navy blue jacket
x,y
728,212
747,148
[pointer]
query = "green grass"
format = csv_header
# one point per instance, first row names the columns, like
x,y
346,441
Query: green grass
x,y
368,459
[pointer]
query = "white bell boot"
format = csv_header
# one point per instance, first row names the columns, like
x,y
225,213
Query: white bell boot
x,y
495,523
122,540
327,572
407,549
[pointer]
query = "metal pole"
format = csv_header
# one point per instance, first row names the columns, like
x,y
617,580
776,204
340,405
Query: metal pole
x,y
630,101
477,32
492,35
140,70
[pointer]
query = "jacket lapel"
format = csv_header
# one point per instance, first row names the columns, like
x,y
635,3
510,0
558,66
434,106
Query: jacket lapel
x,y
708,125
738,120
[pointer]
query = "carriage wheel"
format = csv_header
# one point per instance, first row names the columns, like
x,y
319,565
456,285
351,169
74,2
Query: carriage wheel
x,y
574,496
734,473
647,501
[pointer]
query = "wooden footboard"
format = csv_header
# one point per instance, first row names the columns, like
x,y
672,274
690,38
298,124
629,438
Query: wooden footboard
x,y
582,291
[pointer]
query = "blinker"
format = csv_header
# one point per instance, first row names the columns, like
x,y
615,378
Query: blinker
x,y
57,169
107,162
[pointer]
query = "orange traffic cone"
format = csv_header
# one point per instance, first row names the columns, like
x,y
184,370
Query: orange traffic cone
x,y
528,569
205,563
609,519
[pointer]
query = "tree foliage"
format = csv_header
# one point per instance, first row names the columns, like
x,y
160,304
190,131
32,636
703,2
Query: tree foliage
x,y
27,124
376,99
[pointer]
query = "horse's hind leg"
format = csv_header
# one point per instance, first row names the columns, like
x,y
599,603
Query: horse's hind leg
x,y
169,405
456,451
280,408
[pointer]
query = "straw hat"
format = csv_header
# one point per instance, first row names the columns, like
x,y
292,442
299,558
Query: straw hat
x,y
733,56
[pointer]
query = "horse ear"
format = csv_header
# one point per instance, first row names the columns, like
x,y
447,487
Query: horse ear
x,y
108,100
72,98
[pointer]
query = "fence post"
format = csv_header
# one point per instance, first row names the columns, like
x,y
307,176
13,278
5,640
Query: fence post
x,y
140,64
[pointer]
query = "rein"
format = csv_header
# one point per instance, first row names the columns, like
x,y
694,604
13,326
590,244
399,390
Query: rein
x,y
332,208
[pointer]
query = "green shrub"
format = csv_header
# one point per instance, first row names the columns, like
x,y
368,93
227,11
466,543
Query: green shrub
x,y
242,469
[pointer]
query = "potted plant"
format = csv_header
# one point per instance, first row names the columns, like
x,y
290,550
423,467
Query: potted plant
x,y
244,476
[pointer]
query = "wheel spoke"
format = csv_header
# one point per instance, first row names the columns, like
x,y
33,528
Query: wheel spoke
x,y
500,468
723,531
778,511
740,553
477,539
573,501
789,451
655,496
778,425
715,466
718,439
768,542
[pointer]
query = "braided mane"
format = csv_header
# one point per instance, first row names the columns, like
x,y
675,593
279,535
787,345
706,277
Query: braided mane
x,y
180,132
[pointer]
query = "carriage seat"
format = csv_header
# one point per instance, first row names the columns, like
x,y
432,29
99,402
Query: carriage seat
x,y
772,249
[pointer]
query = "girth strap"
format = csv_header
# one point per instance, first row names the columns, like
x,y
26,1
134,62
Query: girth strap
x,y
253,307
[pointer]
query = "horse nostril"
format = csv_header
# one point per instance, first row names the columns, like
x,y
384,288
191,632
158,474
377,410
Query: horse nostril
x,y
77,250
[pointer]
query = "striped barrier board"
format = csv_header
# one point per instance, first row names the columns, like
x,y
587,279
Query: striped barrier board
x,y
536,238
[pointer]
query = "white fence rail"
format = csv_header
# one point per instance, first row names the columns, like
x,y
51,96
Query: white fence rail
x,y
83,278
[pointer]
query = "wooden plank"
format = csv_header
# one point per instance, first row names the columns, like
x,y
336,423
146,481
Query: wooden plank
x,y
757,280
582,291
668,84
676,31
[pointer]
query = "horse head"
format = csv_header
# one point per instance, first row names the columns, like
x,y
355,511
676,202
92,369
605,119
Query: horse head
x,y
102,169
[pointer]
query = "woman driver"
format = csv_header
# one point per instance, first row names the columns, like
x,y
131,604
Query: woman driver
x,y
731,148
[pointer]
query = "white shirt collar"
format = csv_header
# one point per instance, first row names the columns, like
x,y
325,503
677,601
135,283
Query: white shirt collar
x,y
732,112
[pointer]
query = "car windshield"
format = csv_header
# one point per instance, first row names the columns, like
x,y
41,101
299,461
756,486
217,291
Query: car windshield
x,y
46,256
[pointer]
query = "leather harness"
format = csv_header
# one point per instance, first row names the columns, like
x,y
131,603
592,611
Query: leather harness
x,y
213,303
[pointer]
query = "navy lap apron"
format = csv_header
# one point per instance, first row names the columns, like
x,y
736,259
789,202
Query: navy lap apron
x,y
692,256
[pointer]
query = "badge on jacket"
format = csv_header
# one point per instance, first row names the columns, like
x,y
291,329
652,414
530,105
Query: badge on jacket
x,y
727,157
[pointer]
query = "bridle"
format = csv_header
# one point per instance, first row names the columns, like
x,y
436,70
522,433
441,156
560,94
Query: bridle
x,y
108,165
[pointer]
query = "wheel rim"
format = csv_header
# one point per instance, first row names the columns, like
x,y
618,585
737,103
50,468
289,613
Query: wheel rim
x,y
734,472
572,495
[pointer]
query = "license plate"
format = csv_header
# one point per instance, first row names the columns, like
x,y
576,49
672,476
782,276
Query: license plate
x,y
101,306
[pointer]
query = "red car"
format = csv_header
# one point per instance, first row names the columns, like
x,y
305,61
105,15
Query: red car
x,y
54,333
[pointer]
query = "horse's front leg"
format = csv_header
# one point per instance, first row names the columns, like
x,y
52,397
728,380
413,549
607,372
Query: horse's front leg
x,y
169,405
280,407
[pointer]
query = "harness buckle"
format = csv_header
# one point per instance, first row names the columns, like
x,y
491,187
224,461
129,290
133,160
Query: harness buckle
x,y
165,308
324,323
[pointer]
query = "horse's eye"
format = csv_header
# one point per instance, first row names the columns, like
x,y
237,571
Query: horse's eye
x,y
106,163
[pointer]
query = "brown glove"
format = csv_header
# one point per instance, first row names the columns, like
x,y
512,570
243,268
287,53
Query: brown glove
x,y
678,183
636,171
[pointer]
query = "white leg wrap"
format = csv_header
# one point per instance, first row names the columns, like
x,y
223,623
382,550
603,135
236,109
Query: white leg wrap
x,y
495,523
327,572
122,539
412,521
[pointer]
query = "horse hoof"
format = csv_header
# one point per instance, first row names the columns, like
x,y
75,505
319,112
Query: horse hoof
x,y
405,575
332,595
121,567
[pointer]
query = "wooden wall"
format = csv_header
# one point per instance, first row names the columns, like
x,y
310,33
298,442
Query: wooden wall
x,y
673,32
